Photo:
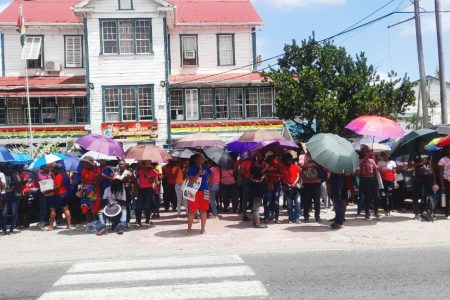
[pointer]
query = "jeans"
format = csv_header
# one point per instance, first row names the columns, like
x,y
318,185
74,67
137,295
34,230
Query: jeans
x,y
336,195
324,192
144,202
311,192
10,203
256,204
213,191
292,196
229,195
389,187
272,202
180,200
369,190
128,203
123,219
245,201
43,202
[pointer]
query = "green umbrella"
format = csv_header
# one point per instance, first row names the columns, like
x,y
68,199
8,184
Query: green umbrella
x,y
333,153
408,144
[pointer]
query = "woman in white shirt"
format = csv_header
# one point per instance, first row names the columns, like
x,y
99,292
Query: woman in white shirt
x,y
444,171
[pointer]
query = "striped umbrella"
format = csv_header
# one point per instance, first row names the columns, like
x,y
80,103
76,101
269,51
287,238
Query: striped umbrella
x,y
46,159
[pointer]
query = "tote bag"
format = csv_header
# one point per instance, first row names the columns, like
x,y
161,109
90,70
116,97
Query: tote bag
x,y
190,190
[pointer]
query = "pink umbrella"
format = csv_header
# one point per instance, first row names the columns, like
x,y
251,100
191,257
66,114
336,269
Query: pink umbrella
x,y
376,126
199,140
261,135
148,153
101,144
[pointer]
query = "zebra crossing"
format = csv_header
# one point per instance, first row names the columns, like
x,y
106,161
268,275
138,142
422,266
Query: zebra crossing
x,y
200,277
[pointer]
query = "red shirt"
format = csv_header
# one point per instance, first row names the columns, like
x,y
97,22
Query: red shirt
x,y
290,173
273,172
245,168
59,181
147,178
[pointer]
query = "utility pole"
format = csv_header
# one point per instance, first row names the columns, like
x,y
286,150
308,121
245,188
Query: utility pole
x,y
423,83
440,42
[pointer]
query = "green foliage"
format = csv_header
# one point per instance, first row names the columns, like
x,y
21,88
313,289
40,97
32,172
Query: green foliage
x,y
321,83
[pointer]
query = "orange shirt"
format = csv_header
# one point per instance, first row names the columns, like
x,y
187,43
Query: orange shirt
x,y
290,173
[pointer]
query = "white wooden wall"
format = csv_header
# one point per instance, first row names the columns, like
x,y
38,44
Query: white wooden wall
x,y
53,49
107,70
207,49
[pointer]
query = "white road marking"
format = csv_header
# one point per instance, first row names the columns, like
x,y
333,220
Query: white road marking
x,y
133,276
155,263
227,289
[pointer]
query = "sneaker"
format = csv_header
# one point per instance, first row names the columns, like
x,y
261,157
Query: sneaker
x,y
336,226
367,218
298,222
102,232
289,222
120,231
260,226
318,220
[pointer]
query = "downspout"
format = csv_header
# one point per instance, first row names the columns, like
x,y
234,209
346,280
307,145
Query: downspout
x,y
86,55
254,48
2,40
167,62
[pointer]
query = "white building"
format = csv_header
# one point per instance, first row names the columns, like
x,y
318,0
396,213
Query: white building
x,y
134,70
434,93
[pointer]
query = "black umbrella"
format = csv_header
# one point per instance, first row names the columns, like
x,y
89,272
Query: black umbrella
x,y
183,153
408,144
220,156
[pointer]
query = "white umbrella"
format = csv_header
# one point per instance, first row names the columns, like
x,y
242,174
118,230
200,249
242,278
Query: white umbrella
x,y
98,156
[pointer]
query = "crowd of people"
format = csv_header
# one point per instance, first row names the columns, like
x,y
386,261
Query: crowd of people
x,y
112,194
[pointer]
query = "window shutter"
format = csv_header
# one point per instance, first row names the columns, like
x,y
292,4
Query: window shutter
x,y
74,52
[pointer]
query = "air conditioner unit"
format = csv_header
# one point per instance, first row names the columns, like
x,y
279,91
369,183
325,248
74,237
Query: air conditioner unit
x,y
190,54
52,66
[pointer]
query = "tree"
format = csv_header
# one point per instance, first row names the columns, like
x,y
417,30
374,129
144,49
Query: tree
x,y
320,84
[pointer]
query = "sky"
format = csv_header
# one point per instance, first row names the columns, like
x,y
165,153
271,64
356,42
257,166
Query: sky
x,y
387,49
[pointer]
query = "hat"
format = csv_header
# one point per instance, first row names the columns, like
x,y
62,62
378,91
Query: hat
x,y
89,159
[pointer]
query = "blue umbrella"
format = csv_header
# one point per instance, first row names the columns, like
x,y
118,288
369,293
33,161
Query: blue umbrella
x,y
22,158
46,159
71,163
5,155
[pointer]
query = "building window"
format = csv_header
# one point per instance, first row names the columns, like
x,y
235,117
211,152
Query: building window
x,y
81,111
126,36
191,102
15,111
35,110
266,102
65,111
221,98
236,104
189,50
176,105
48,110
74,51
251,103
124,103
36,45
2,111
126,4
145,96
225,49
206,104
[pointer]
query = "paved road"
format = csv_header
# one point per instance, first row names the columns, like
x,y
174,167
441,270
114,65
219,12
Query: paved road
x,y
337,274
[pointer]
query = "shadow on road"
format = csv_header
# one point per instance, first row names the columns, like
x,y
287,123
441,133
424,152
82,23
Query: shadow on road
x,y
176,233
306,228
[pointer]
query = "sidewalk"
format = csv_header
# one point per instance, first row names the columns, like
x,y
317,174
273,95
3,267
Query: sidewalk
x,y
225,235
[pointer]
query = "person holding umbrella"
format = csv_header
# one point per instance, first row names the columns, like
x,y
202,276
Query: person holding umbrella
x,y
198,169
258,186
290,176
367,173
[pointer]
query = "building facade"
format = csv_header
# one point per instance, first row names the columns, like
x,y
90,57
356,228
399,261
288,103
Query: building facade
x,y
134,70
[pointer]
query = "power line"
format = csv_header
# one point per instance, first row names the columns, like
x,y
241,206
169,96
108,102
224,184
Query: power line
x,y
347,30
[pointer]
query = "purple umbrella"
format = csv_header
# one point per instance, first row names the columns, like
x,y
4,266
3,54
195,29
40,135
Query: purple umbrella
x,y
241,147
101,144
275,146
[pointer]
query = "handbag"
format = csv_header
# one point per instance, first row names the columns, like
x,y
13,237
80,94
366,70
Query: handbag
x,y
190,190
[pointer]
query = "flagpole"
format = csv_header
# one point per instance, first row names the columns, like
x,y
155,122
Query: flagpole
x,y
30,128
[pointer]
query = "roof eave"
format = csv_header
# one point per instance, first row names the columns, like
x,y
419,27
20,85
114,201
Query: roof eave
x,y
41,24
219,23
